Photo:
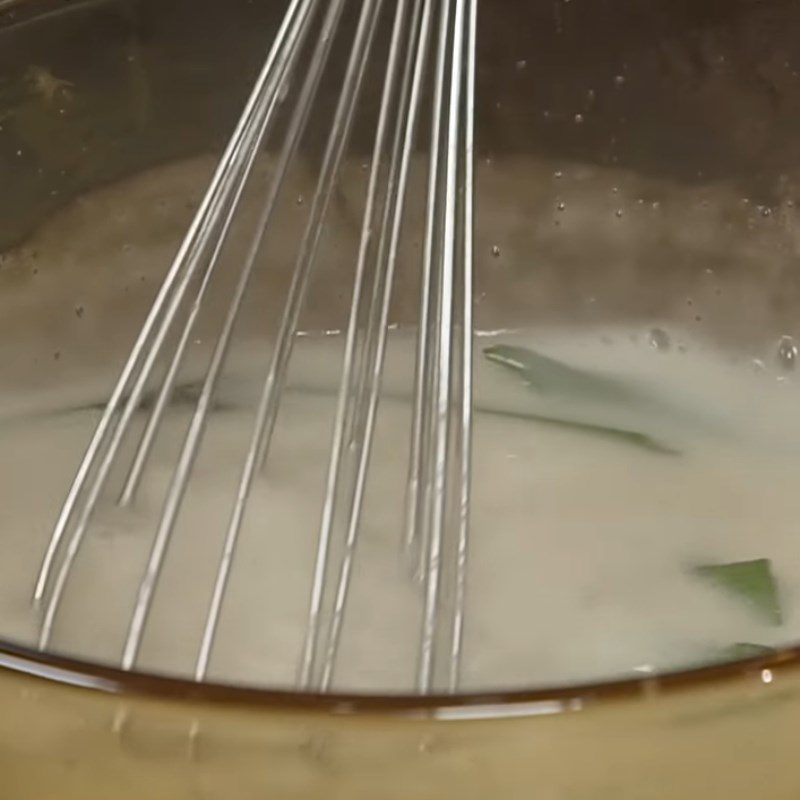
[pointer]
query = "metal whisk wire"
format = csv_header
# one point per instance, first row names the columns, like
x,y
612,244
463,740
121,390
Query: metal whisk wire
x,y
185,261
271,394
347,406
438,485
231,173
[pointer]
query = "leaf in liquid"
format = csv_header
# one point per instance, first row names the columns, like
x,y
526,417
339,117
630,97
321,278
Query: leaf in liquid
x,y
752,581
743,650
634,438
739,651
549,376
553,378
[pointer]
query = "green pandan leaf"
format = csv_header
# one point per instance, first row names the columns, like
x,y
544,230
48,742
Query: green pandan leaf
x,y
751,581
554,379
743,650
551,377
634,438
739,651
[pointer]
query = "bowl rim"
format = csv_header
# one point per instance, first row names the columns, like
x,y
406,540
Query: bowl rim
x,y
63,670
107,679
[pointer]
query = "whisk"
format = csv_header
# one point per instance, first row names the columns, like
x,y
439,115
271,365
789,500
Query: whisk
x,y
442,32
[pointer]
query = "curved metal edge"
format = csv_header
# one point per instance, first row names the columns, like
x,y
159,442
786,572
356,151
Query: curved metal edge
x,y
67,671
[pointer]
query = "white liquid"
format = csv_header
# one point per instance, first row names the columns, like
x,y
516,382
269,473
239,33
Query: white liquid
x,y
580,542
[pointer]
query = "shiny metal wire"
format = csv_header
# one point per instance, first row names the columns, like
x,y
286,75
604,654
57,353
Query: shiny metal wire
x,y
438,483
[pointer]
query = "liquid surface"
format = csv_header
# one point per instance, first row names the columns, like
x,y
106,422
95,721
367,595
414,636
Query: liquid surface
x,y
636,455
582,541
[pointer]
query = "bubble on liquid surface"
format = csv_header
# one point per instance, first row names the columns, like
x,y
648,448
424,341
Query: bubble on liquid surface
x,y
659,339
560,205
787,353
578,118
619,80
495,250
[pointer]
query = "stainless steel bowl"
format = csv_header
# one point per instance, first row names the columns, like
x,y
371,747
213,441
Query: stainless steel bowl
x,y
637,161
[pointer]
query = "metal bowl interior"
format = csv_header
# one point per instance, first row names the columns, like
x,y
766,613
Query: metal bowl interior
x,y
671,98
